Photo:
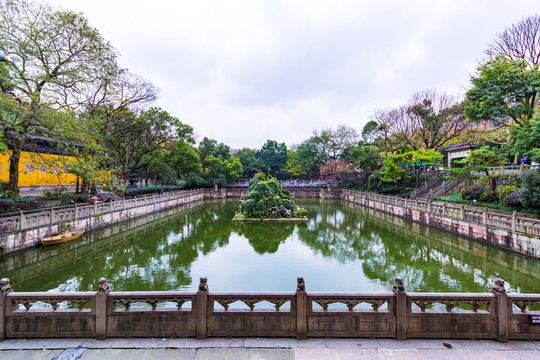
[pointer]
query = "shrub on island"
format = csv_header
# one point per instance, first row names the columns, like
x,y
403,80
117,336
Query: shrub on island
x,y
265,199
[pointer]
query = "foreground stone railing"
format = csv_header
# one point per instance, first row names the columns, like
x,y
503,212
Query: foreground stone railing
x,y
299,314
511,231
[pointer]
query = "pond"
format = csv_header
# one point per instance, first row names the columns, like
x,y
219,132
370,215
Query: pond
x,y
343,248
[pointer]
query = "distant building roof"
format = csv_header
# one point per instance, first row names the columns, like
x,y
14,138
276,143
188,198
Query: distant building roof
x,y
458,147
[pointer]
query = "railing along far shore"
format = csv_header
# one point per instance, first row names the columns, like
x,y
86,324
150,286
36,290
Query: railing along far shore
x,y
300,314
31,219
514,222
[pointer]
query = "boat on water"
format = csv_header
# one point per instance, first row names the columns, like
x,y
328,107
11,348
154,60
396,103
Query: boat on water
x,y
62,238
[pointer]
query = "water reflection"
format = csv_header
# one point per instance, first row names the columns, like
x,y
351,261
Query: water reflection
x,y
265,237
344,247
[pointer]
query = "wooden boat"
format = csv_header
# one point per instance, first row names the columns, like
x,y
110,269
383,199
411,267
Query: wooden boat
x,y
62,238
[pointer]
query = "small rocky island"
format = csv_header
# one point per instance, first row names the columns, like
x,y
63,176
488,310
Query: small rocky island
x,y
265,200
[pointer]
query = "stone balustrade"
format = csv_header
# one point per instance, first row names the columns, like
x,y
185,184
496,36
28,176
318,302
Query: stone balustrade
x,y
301,314
511,231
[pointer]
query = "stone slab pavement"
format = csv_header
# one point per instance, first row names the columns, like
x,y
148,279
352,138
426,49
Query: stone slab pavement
x,y
273,349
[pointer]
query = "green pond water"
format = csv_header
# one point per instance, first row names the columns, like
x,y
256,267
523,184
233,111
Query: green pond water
x,y
343,248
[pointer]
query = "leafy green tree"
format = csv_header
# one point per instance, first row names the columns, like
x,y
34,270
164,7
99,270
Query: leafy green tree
x,y
308,158
504,92
273,157
216,170
210,147
52,58
250,163
528,139
184,159
293,167
397,165
481,160
529,192
368,157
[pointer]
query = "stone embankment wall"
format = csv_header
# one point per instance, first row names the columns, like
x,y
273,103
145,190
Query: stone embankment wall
x,y
512,232
24,230
301,314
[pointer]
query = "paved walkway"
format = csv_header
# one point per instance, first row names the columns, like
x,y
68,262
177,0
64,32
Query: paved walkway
x,y
258,349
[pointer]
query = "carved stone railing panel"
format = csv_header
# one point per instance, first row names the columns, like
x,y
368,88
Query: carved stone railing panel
x,y
123,301
524,301
450,301
351,301
47,302
9,224
278,300
528,226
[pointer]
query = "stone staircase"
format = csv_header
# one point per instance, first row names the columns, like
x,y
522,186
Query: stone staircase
x,y
437,186
424,189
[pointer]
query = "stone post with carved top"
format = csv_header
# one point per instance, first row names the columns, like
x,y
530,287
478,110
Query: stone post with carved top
x,y
102,308
202,308
401,309
301,309
5,289
502,308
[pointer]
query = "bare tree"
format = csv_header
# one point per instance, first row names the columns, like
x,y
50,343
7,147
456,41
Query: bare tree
x,y
434,119
429,120
520,41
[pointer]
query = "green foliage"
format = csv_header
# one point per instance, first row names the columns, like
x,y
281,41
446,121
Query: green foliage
x,y
265,199
273,157
481,160
503,89
53,58
4,190
249,161
401,187
529,191
367,157
216,170
527,138
397,165
301,213
504,191
488,195
55,193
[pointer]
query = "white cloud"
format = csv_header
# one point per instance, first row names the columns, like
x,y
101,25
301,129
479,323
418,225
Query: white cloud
x,y
246,71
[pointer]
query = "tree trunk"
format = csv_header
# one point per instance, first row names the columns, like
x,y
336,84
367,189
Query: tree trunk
x,y
13,184
77,185
146,176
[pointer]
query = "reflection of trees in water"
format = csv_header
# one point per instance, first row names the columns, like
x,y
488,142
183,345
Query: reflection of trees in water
x,y
419,254
161,259
156,256
265,237
159,255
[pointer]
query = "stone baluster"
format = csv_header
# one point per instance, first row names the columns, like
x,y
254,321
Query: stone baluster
x,y
514,222
301,309
102,308
5,289
202,308
501,308
484,216
22,223
400,308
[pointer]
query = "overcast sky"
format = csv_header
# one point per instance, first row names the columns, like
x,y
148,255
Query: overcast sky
x,y
242,72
